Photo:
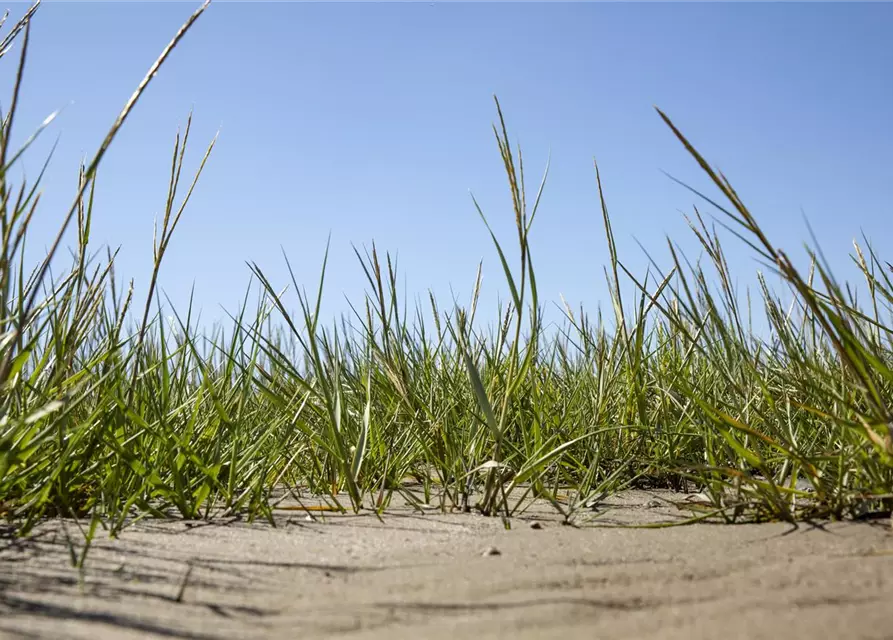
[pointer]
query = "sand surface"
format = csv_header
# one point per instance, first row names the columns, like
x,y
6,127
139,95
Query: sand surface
x,y
429,576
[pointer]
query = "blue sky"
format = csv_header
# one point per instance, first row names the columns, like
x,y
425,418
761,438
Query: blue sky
x,y
372,121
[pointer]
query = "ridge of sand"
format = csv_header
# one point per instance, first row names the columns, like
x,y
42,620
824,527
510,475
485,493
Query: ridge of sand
x,y
438,575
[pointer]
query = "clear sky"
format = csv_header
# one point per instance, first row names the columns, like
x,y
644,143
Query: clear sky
x,y
372,121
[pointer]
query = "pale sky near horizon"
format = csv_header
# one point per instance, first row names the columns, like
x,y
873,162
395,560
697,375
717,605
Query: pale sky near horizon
x,y
372,121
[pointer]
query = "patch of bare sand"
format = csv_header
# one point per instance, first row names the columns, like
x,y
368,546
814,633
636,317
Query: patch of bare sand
x,y
429,576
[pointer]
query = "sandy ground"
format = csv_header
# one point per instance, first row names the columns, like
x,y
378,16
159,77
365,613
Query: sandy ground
x,y
454,576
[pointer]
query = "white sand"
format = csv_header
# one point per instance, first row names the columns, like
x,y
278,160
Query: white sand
x,y
425,576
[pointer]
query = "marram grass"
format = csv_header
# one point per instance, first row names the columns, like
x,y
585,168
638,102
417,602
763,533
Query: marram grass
x,y
109,414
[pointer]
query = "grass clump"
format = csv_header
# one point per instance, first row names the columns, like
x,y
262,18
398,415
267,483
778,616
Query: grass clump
x,y
113,417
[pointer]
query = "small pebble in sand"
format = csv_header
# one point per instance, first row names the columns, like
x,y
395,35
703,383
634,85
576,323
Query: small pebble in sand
x,y
653,504
491,551
536,525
